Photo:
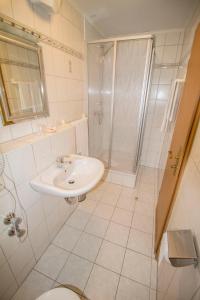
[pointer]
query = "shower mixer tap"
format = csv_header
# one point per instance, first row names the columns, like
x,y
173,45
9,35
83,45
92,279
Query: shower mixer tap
x,y
14,221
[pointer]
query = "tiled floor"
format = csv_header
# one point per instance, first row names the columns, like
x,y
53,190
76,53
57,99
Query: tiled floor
x,y
104,250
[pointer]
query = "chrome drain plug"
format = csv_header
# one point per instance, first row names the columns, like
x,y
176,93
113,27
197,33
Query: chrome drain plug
x,y
71,181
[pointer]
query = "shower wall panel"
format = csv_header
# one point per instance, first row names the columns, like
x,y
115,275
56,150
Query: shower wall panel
x,y
128,98
95,82
100,65
117,87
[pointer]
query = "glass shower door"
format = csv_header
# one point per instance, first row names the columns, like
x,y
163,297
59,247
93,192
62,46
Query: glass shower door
x,y
130,77
100,74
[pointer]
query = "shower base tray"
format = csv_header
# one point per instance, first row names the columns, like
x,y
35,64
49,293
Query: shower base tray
x,y
122,178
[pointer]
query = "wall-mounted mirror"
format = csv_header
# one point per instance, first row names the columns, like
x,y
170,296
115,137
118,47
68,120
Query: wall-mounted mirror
x,y
22,86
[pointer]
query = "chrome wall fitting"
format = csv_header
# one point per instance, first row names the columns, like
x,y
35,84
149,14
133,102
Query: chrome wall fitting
x,y
71,200
8,218
81,198
15,222
74,200
11,231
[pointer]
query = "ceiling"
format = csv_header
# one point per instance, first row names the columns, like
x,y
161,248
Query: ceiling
x,y
122,17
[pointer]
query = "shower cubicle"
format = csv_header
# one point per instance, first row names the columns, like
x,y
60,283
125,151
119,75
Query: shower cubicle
x,y
118,80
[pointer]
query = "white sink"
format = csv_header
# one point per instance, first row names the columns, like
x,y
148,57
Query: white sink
x,y
75,179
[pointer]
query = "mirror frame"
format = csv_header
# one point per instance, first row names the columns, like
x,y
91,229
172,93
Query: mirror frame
x,y
4,106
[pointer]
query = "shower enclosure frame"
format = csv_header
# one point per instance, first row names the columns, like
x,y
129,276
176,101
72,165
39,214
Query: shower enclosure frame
x,y
145,90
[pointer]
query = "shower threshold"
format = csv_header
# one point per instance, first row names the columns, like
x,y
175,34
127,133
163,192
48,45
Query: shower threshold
x,y
122,178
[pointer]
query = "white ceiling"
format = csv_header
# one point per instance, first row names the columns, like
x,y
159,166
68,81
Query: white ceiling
x,y
122,17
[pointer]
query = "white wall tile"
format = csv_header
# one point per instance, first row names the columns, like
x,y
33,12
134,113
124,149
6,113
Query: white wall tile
x,y
47,52
169,54
45,215
62,87
159,54
167,75
172,38
23,12
20,258
66,27
6,7
39,238
43,154
22,164
35,215
5,134
64,142
2,258
42,20
56,27
27,195
160,39
20,129
168,50
51,88
7,280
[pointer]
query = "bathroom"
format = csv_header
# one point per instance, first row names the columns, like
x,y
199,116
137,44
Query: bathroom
x,y
99,149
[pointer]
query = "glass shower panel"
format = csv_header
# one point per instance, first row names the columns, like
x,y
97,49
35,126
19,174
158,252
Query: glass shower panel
x,y
100,73
128,97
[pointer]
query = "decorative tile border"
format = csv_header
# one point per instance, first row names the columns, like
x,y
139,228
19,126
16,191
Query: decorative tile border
x,y
41,37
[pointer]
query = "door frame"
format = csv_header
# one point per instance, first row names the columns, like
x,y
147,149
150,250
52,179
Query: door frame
x,y
163,214
188,148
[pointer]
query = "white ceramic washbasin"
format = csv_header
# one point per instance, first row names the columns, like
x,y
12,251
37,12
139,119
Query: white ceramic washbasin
x,y
75,179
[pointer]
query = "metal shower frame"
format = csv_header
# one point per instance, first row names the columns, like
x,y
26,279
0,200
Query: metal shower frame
x,y
145,90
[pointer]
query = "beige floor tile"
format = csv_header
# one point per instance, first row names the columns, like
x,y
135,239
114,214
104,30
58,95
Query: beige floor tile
x,y
52,261
111,256
137,267
35,285
122,216
88,205
144,208
67,237
104,211
128,192
127,203
140,242
88,246
97,226
117,233
75,272
78,219
110,198
142,223
130,290
102,284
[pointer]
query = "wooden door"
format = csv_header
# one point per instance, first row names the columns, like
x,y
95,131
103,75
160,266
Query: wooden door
x,y
177,155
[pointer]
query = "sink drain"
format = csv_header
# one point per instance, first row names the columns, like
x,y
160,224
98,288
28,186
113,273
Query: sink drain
x,y
71,181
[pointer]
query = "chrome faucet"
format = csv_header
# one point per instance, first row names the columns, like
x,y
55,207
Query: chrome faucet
x,y
63,160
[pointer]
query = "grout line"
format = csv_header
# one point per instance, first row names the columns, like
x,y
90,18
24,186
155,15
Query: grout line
x,y
102,240
71,252
125,252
